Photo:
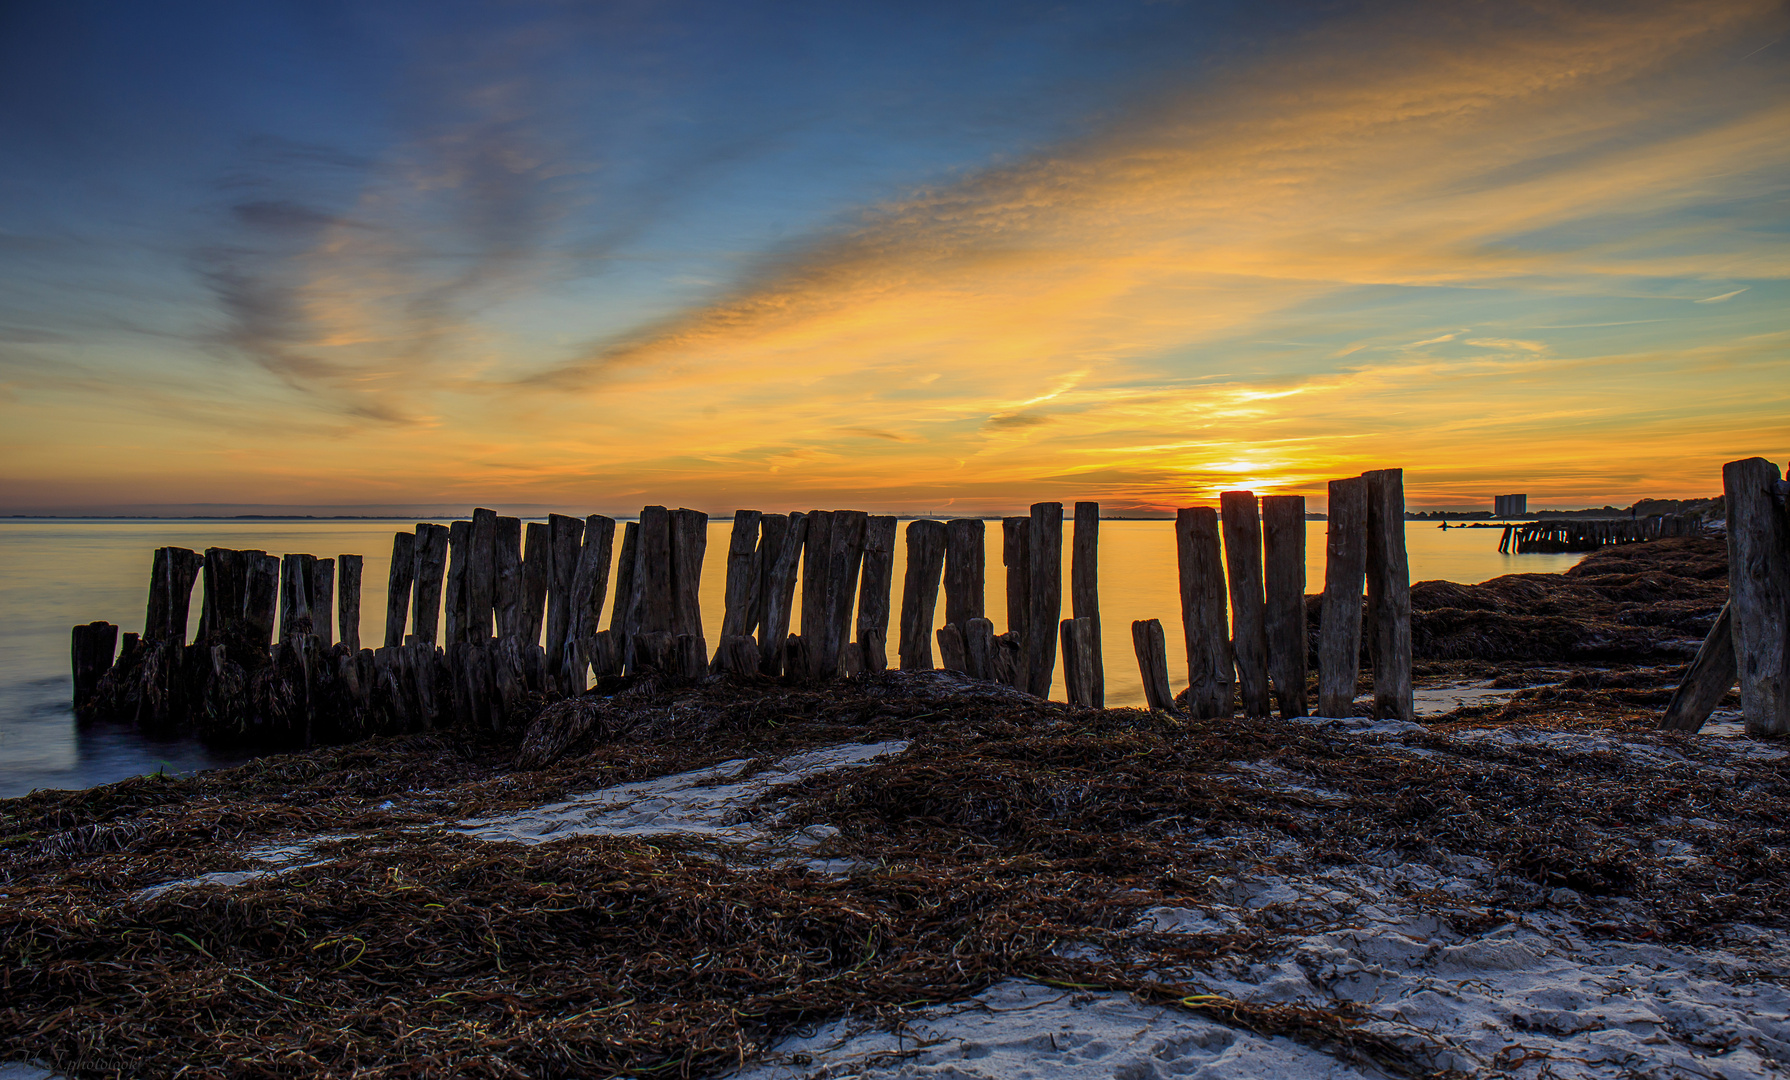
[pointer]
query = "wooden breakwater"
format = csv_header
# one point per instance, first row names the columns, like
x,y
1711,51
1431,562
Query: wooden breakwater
x,y
483,614
1589,534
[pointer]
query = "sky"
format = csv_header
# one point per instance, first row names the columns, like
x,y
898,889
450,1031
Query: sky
x,y
906,257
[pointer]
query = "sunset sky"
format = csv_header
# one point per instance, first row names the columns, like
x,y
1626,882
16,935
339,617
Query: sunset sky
x,y
899,257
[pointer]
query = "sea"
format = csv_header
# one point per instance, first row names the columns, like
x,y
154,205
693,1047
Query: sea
x,y
55,573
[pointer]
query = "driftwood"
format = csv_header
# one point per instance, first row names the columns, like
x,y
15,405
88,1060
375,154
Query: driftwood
x,y
91,650
779,594
506,572
1759,592
919,592
348,569
1084,591
1389,595
965,569
1204,621
872,642
1709,678
1152,663
1345,577
1045,537
537,568
453,600
1283,572
431,554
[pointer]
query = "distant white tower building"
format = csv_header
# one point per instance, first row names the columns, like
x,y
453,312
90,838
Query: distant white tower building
x,y
1509,506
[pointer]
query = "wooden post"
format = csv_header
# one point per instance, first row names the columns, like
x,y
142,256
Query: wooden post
x,y
1759,592
919,593
1283,562
742,586
873,594
1045,535
481,576
431,565
780,588
1709,677
1152,663
348,600
506,570
295,595
1210,668
171,577
1243,566
1078,660
590,579
90,654
844,563
817,563
979,649
773,529
1389,595
1345,576
689,540
1084,591
537,568
323,601
951,653
564,540
1016,556
965,569
623,620
454,601
261,597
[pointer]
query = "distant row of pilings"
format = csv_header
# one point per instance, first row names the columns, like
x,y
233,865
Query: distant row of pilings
x,y
484,617
1589,534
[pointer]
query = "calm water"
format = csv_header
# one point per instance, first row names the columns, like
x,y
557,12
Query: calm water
x,y
54,574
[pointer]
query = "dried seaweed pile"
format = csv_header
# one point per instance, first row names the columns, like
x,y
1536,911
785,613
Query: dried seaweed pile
x,y
1011,830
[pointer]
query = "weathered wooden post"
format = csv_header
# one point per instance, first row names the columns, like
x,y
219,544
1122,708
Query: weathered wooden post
x,y
348,600
172,573
965,570
1345,576
1243,566
590,579
780,589
537,568
689,540
919,592
872,644
1016,556
261,598
843,564
481,576
1283,562
506,570
90,654
1389,595
565,539
623,621
979,649
1759,592
1204,621
431,568
323,601
1707,680
454,603
951,651
295,595
1084,591
738,602
1045,537
817,562
1152,663
1078,660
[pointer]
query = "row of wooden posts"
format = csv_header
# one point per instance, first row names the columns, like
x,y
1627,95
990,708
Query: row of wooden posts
x,y
484,611
1594,533
1750,640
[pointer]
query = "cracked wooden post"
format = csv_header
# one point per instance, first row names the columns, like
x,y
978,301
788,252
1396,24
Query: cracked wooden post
x,y
323,601
261,596
1243,571
780,588
1152,663
1016,556
1204,619
1389,595
537,568
431,555
91,649
295,595
348,569
453,601
689,541
979,650
623,621
1084,591
845,560
1045,537
590,578
481,576
965,570
1078,660
565,536
506,574
171,576
1759,592
1708,679
872,644
817,563
1345,578
951,652
1283,562
737,611
919,592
